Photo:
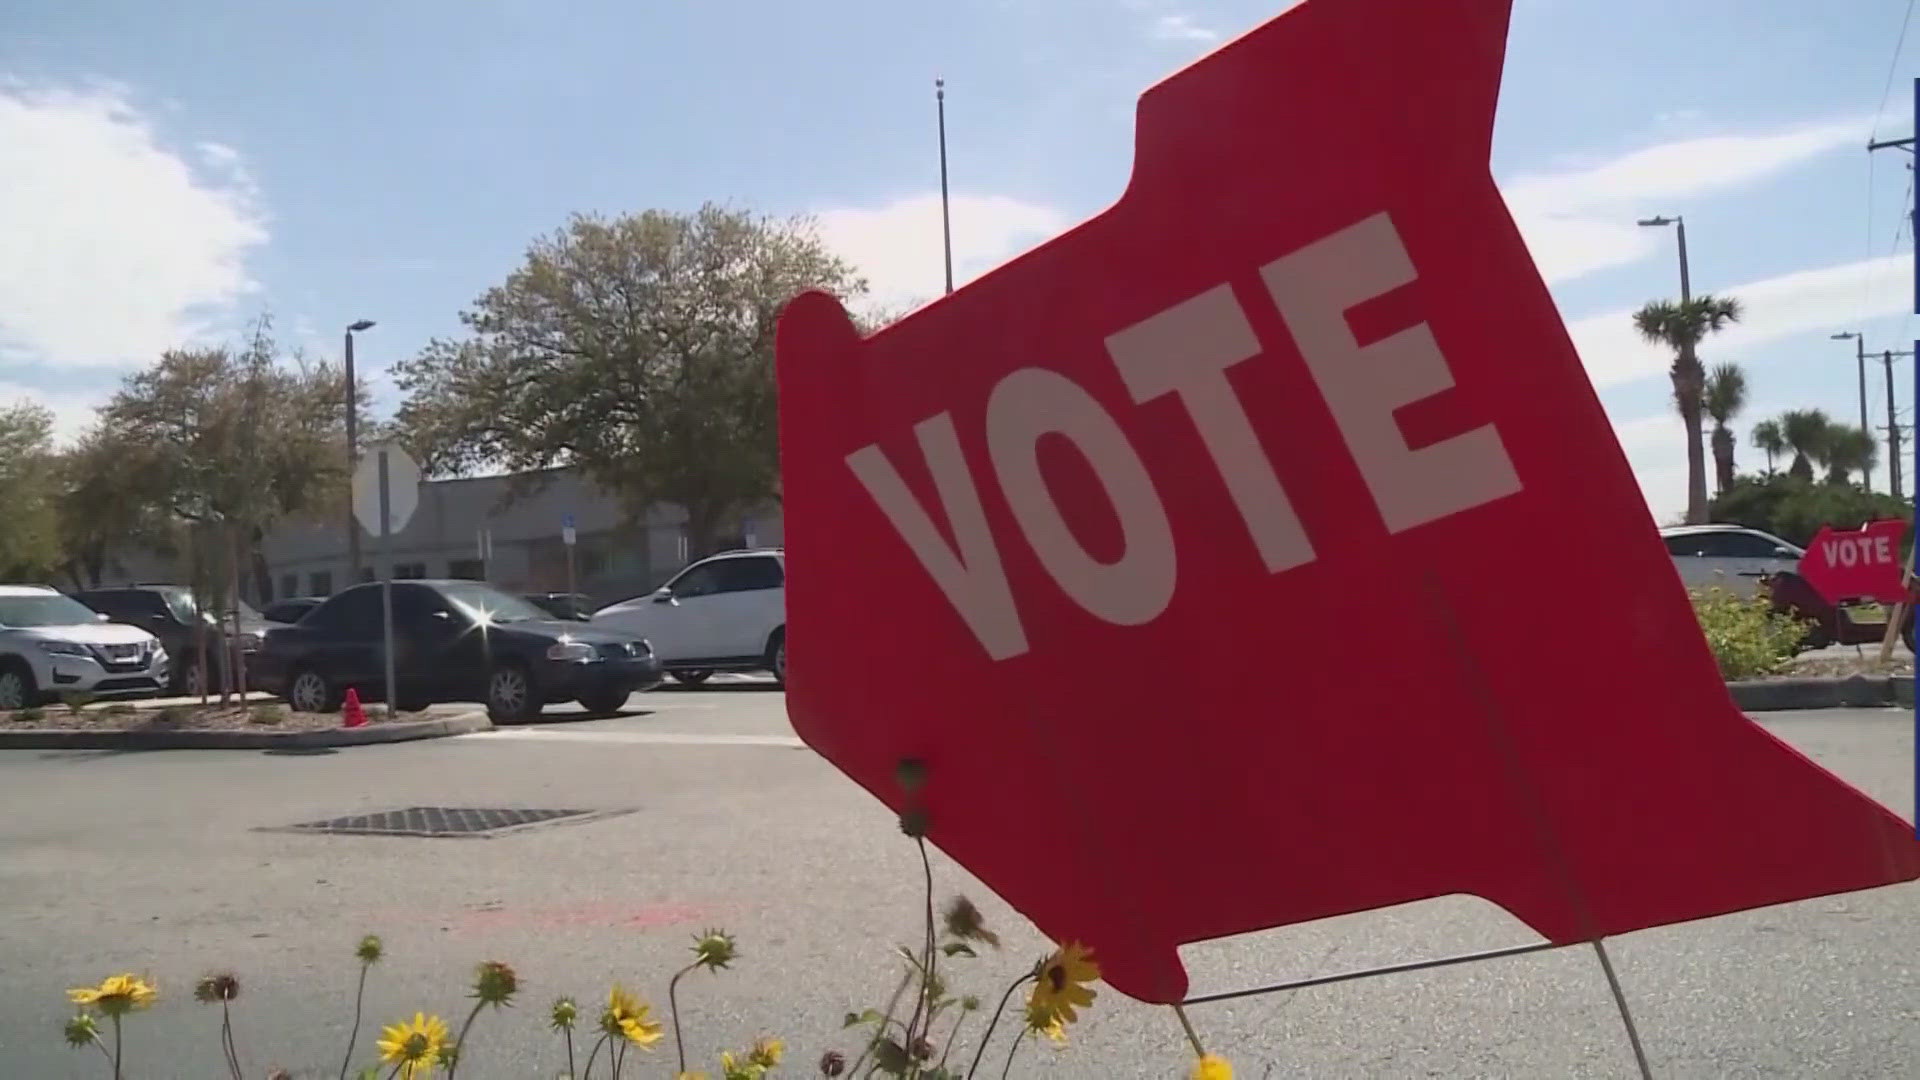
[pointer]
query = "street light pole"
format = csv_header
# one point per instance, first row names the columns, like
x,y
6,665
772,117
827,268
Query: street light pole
x,y
353,452
1680,230
946,221
1860,360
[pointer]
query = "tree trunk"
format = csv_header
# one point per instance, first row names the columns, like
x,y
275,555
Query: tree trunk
x,y
1689,382
1722,458
237,658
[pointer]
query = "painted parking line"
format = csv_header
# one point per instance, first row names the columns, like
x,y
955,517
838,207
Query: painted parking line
x,y
655,738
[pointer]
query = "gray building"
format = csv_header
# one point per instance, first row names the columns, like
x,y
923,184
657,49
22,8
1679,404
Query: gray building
x,y
476,528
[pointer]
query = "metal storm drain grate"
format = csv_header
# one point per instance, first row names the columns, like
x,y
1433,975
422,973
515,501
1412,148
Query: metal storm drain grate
x,y
444,821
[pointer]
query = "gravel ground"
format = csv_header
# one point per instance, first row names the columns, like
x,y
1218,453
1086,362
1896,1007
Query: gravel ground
x,y
127,716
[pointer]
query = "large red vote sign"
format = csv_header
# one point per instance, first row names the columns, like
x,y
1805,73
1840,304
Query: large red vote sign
x,y
1201,553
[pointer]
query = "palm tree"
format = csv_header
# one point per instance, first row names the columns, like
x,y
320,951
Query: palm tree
x,y
1725,396
1805,432
1849,450
1680,327
1768,440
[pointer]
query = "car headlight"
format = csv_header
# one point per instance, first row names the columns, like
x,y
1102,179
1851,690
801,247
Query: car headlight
x,y
64,648
570,650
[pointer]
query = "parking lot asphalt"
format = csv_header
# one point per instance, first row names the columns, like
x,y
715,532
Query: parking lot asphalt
x,y
711,813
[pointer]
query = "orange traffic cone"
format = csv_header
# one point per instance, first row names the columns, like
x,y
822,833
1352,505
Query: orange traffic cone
x,y
351,714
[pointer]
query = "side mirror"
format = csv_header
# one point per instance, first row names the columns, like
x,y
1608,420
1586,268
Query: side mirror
x,y
1785,553
101,616
663,596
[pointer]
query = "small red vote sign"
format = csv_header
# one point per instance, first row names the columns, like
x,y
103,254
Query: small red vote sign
x,y
1199,553
1862,564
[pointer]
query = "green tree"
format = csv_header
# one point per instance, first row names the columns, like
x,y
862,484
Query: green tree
x,y
103,510
1768,440
1794,509
1681,326
637,350
1849,450
1805,432
1725,396
30,526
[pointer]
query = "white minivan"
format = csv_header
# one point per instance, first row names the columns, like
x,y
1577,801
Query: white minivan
x,y
724,613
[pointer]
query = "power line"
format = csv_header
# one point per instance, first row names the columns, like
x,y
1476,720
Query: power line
x,y
1893,66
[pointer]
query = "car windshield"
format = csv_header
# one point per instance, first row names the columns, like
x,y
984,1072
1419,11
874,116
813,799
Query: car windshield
x,y
47,609
489,604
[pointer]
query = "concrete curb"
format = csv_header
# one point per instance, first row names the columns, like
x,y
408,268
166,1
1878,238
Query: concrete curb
x,y
149,739
1852,692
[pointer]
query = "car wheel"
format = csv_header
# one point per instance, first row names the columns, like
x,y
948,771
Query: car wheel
x,y
692,676
777,657
510,695
311,692
17,689
604,702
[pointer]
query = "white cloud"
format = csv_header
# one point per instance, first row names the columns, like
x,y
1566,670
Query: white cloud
x,y
1178,27
1823,300
898,245
116,246
1656,448
1581,219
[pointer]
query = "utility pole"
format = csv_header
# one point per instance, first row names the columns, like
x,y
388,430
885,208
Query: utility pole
x,y
1860,360
1893,425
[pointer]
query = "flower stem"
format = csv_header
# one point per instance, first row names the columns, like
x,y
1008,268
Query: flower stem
x,y
952,1037
892,1003
1007,1070
397,1066
568,1032
619,1056
116,1046
104,1052
995,1022
226,1039
926,965
591,1057
359,997
673,1010
460,1043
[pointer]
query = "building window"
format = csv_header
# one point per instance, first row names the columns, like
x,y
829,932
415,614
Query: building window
x,y
289,586
466,569
320,583
409,570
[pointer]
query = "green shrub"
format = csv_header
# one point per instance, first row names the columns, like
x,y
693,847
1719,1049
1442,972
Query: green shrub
x,y
1747,636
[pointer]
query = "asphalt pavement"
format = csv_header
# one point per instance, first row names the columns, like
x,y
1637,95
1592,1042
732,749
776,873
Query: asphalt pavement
x,y
710,813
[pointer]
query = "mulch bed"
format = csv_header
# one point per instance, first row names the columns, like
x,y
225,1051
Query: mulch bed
x,y
1832,667
135,716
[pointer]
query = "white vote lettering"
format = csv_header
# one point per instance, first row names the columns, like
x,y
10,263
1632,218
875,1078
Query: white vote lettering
x,y
1032,402
1314,288
972,577
1185,351
1883,549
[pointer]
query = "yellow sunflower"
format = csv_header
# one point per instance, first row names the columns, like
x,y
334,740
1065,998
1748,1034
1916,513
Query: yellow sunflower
x,y
767,1052
116,995
415,1046
1211,1067
1062,985
1042,1022
626,1018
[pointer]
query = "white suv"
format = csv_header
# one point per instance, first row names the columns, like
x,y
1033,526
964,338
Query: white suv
x,y
1732,557
725,613
52,644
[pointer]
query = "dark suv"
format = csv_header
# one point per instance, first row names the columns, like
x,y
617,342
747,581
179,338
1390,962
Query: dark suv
x,y
170,613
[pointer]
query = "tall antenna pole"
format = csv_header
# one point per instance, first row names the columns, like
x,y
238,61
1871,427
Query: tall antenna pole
x,y
946,220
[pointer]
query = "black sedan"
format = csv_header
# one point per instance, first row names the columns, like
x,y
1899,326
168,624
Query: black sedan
x,y
453,641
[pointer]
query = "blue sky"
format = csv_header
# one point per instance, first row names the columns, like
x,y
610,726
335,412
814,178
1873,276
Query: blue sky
x,y
167,172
